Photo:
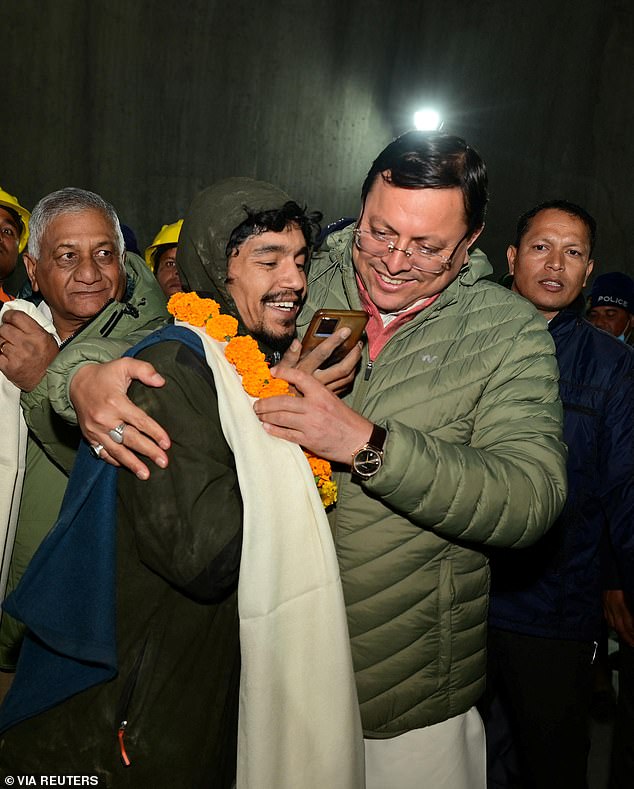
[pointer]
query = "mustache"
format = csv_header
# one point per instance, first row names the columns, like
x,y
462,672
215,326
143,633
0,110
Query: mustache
x,y
282,295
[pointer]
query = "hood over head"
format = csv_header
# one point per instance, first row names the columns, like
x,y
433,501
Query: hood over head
x,y
211,218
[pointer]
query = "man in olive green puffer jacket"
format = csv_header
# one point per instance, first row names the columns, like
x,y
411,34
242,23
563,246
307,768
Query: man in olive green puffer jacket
x,y
453,436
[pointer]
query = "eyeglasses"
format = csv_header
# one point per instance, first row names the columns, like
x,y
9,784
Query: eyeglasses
x,y
379,244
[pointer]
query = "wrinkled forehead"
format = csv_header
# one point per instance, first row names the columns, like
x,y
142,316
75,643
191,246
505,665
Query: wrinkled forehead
x,y
417,212
560,224
76,224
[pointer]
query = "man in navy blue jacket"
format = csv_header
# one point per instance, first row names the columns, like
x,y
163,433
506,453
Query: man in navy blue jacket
x,y
545,612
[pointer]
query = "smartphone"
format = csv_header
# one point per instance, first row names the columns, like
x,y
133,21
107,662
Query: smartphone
x,y
325,323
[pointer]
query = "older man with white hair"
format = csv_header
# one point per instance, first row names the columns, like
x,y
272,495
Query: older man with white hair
x,y
91,291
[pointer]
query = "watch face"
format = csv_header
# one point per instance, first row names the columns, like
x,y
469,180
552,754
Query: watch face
x,y
367,462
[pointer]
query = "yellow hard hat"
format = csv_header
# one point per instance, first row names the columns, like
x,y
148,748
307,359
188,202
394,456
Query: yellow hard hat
x,y
9,201
168,234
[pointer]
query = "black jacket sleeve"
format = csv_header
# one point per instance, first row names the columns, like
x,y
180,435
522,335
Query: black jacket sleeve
x,y
187,518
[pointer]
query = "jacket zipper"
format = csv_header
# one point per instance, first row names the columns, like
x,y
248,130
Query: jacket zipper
x,y
85,325
124,704
111,324
124,754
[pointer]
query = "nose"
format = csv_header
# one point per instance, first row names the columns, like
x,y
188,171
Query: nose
x,y
87,270
396,260
291,276
556,260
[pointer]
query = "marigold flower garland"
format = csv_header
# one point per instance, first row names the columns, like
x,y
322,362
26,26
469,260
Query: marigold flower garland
x,y
250,364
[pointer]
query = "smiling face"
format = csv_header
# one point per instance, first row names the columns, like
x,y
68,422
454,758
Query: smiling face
x,y
431,219
9,240
267,282
552,263
78,270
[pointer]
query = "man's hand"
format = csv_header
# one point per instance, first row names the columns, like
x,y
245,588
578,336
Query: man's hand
x,y
26,349
618,614
339,377
99,395
317,420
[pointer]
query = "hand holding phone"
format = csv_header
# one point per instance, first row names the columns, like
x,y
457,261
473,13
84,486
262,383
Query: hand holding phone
x,y
325,323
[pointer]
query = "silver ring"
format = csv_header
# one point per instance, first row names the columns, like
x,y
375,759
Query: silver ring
x,y
96,450
116,434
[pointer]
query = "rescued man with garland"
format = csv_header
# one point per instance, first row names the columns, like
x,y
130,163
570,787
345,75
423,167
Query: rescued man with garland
x,y
164,709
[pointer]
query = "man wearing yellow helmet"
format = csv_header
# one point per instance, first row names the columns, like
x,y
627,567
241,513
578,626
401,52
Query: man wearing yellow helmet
x,y
14,232
160,256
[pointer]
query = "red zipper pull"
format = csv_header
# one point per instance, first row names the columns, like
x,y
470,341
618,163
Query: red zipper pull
x,y
124,755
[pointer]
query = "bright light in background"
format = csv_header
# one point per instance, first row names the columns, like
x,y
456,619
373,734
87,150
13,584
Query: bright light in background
x,y
427,119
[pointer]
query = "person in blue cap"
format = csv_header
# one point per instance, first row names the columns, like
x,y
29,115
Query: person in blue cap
x,y
612,305
612,309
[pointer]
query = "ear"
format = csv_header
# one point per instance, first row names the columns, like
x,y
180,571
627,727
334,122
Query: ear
x,y
474,236
31,269
511,254
588,271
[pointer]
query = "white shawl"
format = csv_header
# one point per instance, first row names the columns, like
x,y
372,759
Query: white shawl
x,y
12,450
299,725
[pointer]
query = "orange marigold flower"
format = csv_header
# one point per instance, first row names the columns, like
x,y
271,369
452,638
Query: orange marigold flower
x,y
274,387
319,466
250,363
253,383
222,327
189,307
244,353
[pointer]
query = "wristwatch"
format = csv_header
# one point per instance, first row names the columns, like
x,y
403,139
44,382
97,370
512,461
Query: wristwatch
x,y
367,460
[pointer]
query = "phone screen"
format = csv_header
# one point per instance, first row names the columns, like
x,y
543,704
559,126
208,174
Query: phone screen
x,y
326,327
325,323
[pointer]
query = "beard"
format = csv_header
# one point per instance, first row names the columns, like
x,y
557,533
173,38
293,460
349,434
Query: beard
x,y
277,343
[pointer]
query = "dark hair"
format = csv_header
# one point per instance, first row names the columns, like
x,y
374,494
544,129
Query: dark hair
x,y
275,220
156,255
16,217
434,160
560,205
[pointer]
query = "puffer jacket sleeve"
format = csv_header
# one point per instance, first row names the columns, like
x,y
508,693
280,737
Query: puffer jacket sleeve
x,y
508,485
89,351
